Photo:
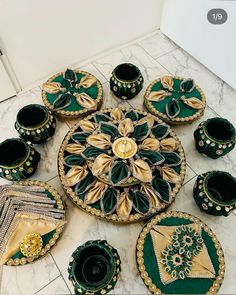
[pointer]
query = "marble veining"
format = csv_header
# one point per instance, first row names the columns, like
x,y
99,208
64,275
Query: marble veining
x,y
155,55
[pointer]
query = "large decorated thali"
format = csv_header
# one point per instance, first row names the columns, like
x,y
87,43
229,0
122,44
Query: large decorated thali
x,y
122,165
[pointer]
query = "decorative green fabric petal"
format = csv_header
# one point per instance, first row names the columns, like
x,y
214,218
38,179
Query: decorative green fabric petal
x,y
109,129
109,200
80,137
65,84
70,75
99,117
62,101
74,160
152,157
92,152
141,131
119,172
187,85
132,115
85,184
160,131
162,188
173,108
171,159
141,203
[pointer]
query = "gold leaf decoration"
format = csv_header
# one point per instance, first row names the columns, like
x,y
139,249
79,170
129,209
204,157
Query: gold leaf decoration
x,y
96,192
141,170
170,175
193,102
87,81
53,87
102,164
167,82
158,95
150,144
75,148
117,114
155,202
126,127
169,144
124,206
76,174
86,101
87,125
101,140
149,119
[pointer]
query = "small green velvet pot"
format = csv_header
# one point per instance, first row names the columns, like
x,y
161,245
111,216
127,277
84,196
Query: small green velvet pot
x,y
18,159
215,193
215,137
36,123
126,81
94,268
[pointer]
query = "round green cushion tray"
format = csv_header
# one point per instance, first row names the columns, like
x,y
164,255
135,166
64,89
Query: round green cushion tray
x,y
175,100
121,187
207,268
69,80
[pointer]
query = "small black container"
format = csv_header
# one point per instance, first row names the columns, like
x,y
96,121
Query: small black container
x,y
94,268
36,123
18,159
126,81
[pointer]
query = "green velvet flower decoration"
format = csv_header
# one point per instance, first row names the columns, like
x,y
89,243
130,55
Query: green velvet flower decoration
x,y
177,256
72,88
131,160
175,98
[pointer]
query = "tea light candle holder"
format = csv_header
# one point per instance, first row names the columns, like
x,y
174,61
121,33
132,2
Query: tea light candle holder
x,y
126,81
215,193
94,268
18,159
36,123
215,137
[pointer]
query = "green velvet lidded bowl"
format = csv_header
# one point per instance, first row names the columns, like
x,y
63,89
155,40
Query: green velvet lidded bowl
x,y
18,159
215,193
126,81
35,123
72,94
94,268
177,253
175,100
215,137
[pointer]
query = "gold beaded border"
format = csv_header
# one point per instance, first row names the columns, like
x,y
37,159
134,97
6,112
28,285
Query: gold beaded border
x,y
73,114
174,121
177,214
96,212
52,241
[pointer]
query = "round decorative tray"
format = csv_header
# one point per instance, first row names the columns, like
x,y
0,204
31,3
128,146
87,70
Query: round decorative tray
x,y
175,100
72,94
121,165
178,254
32,219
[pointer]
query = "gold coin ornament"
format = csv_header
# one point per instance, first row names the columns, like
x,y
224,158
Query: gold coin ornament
x,y
72,94
178,254
124,147
32,217
31,245
123,165
175,100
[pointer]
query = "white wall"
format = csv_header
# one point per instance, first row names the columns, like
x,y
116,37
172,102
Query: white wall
x,y
41,37
185,22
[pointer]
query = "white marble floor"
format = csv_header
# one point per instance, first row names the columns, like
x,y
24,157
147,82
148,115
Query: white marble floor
x,y
155,55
